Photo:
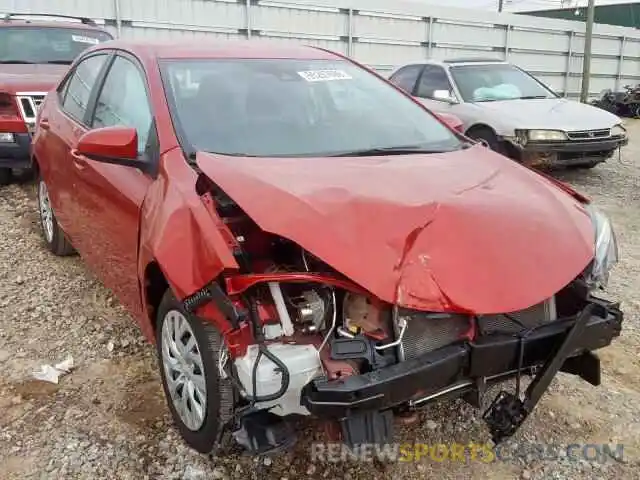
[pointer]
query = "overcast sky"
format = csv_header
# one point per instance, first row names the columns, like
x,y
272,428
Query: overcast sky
x,y
515,5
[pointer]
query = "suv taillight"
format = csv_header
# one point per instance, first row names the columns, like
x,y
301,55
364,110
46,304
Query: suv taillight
x,y
8,107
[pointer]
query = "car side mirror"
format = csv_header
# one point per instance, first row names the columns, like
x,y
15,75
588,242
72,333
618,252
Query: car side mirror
x,y
118,145
444,96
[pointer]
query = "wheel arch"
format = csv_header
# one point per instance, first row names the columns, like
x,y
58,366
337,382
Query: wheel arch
x,y
506,147
154,286
480,126
35,165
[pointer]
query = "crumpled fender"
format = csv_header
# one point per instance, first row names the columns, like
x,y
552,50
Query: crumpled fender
x,y
178,231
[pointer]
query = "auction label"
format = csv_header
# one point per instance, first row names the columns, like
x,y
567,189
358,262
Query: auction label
x,y
324,75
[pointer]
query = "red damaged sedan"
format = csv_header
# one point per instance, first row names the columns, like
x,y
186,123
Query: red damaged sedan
x,y
299,237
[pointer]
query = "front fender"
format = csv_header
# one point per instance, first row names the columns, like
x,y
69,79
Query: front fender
x,y
180,233
474,116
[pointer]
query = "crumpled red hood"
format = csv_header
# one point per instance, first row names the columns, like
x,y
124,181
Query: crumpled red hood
x,y
463,231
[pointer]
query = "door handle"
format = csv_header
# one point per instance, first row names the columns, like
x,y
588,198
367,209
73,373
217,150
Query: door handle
x,y
44,124
79,160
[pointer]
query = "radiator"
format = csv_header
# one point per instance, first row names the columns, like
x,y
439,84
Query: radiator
x,y
426,332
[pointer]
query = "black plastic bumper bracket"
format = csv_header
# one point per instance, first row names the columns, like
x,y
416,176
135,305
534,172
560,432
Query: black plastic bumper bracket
x,y
367,428
508,412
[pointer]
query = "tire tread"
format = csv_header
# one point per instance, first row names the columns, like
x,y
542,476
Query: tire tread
x,y
213,439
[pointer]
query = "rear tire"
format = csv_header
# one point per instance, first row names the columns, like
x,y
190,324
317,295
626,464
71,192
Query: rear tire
x,y
200,401
6,175
53,236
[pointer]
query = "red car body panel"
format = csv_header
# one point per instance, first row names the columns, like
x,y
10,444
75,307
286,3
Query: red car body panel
x,y
238,284
12,122
417,232
24,79
180,232
30,78
459,232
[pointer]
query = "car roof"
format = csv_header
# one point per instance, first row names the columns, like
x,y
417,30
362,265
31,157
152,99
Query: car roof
x,y
47,20
456,61
255,49
42,20
452,61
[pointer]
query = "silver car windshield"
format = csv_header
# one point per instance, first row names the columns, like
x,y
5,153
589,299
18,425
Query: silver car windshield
x,y
299,108
496,81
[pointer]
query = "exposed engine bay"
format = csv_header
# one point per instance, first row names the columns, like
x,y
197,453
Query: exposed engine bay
x,y
302,329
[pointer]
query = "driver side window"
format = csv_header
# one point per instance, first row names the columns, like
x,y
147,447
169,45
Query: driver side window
x,y
433,78
123,101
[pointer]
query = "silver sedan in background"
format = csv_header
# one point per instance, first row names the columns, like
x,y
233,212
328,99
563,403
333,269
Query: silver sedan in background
x,y
513,112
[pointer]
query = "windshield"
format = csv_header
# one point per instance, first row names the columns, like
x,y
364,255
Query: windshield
x,y
46,44
299,108
485,83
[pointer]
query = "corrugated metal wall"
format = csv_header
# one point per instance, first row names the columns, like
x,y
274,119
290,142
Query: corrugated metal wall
x,y
380,33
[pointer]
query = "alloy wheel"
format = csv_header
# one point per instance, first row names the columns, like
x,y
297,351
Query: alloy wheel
x,y
46,212
184,370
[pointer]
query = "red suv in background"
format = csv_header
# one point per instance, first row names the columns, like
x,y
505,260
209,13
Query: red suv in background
x,y
34,54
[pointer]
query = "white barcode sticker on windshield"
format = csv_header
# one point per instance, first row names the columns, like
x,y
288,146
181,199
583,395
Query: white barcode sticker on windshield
x,y
82,39
324,75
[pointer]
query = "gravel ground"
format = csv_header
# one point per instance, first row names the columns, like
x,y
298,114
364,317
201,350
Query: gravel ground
x,y
108,419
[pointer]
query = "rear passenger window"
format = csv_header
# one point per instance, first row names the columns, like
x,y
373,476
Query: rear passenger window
x,y
78,88
406,77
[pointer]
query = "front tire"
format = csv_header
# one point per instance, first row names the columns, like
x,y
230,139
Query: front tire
x,y
189,351
488,137
52,234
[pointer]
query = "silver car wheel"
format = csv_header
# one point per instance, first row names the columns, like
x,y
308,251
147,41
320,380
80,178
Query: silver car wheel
x,y
46,213
183,370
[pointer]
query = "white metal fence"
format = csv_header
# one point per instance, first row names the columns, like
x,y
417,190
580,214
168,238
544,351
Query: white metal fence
x,y
380,33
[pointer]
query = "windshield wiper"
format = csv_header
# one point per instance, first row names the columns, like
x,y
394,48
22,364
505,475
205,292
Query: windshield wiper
x,y
532,97
380,151
59,62
16,62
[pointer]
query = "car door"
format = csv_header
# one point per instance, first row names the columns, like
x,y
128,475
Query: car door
x,y
434,79
60,126
110,196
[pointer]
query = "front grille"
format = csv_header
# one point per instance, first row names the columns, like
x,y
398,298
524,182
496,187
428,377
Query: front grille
x,y
589,134
518,321
427,331
29,104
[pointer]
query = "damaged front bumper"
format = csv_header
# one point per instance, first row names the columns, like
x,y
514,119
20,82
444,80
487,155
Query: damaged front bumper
x,y
468,367
570,152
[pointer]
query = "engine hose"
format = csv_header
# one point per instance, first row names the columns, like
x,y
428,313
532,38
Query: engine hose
x,y
263,350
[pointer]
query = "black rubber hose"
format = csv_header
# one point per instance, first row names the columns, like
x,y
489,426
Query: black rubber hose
x,y
263,350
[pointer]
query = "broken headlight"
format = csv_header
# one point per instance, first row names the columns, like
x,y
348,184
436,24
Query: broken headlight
x,y
618,131
606,250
